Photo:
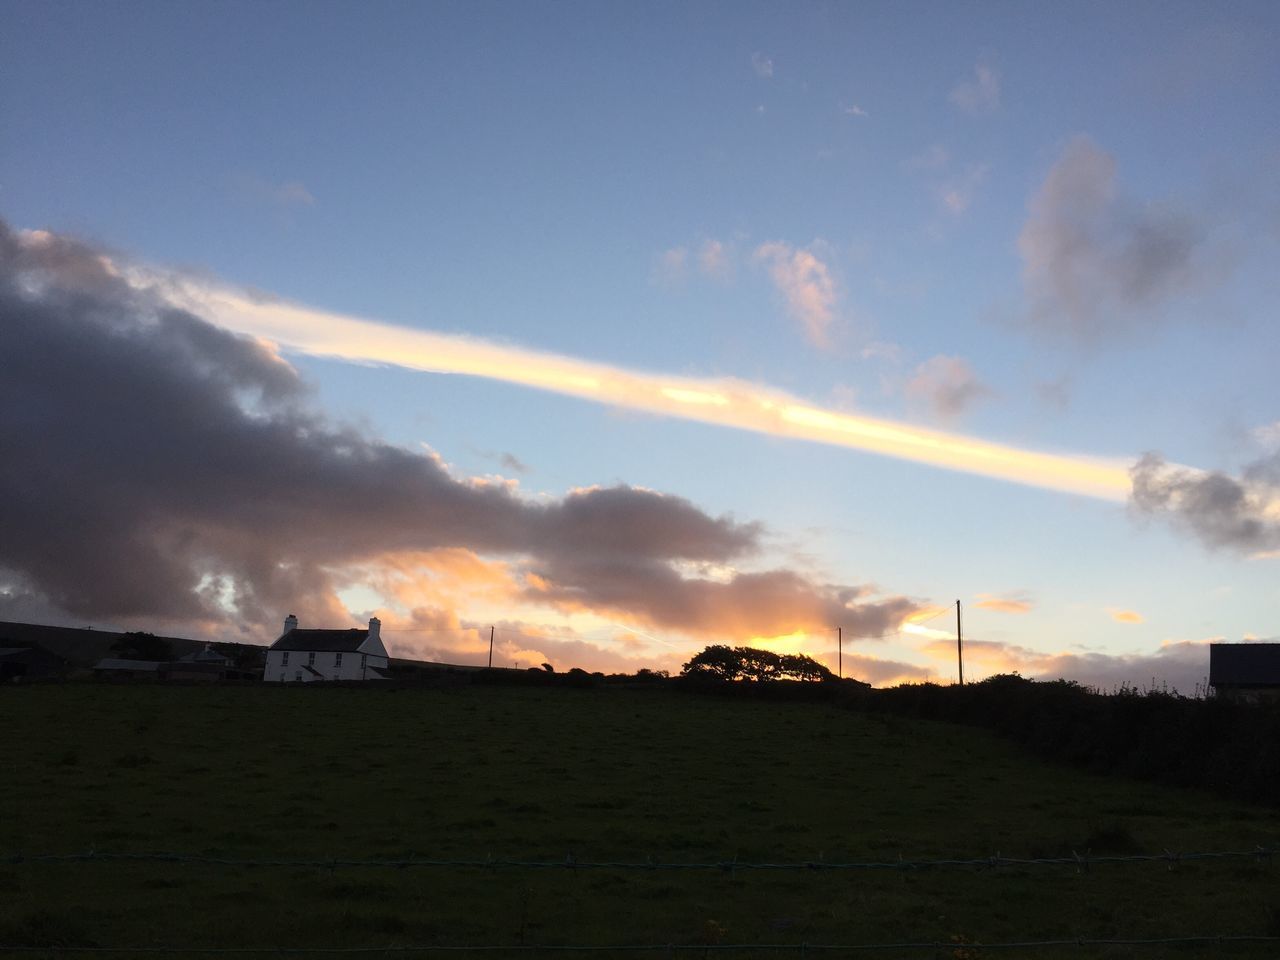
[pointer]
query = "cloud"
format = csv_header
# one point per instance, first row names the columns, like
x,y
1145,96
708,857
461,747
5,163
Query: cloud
x,y
1125,616
714,260
805,280
855,111
672,266
513,463
1268,436
947,385
883,350
290,193
762,65
173,469
1018,603
958,193
1094,264
1222,511
769,603
978,94
724,402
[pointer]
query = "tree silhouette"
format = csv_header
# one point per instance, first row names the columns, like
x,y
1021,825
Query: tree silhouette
x,y
143,646
720,662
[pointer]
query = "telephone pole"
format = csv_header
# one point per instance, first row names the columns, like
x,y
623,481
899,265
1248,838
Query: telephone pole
x,y
840,651
490,646
959,645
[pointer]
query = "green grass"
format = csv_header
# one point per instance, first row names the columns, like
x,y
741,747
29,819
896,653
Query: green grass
x,y
475,772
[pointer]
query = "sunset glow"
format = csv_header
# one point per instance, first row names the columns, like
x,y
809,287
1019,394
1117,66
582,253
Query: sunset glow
x,y
608,335
728,403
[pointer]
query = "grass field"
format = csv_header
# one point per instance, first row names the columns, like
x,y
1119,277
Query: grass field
x,y
476,772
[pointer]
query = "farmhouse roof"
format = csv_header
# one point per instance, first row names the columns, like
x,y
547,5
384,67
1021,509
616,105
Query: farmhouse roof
x,y
331,641
1244,664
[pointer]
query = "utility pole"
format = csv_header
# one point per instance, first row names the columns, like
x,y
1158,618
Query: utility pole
x,y
491,646
840,649
959,645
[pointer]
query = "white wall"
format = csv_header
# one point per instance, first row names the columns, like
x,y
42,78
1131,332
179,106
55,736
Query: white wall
x,y
323,663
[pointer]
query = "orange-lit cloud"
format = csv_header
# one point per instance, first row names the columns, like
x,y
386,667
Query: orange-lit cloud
x,y
805,281
1007,604
1125,616
723,402
947,386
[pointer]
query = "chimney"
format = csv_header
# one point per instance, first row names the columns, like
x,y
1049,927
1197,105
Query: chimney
x,y
290,623
375,625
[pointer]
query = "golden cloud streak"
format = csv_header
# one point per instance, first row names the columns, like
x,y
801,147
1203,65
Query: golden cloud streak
x,y
723,402
1125,616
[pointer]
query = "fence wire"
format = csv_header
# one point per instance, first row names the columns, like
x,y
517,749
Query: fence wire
x,y
672,948
1081,861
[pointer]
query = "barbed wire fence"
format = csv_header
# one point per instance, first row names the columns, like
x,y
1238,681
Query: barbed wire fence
x,y
1081,861
967,947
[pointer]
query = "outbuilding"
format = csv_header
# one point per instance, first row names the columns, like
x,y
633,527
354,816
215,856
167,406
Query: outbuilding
x,y
1245,671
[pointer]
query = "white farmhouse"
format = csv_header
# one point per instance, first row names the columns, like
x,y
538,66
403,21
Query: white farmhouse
x,y
306,655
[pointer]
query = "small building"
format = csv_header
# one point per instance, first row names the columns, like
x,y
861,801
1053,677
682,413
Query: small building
x,y
186,669
209,656
120,668
1245,671
306,656
29,661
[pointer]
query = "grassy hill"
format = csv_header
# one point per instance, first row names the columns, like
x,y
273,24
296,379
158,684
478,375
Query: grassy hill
x,y
595,774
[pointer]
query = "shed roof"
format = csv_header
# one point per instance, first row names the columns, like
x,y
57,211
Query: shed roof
x,y
116,663
1244,664
330,641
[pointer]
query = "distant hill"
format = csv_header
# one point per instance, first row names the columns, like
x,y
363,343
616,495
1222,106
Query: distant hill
x,y
83,647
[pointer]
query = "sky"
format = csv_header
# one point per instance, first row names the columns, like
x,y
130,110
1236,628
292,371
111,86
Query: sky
x,y
624,329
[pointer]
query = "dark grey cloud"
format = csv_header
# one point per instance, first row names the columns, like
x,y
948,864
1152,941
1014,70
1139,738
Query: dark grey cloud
x,y
948,386
1096,264
1222,511
767,603
511,462
159,466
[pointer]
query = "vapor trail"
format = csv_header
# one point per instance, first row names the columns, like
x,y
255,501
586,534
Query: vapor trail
x,y
724,402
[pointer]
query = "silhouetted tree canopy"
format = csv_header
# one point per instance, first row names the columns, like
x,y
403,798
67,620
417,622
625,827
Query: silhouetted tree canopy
x,y
143,646
720,662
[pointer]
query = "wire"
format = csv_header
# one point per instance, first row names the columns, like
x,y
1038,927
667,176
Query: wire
x,y
801,948
1080,861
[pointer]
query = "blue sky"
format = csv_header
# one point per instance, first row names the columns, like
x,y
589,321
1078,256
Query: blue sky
x,y
1053,228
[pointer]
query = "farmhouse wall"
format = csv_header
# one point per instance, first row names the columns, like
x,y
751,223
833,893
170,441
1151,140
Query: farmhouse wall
x,y
353,666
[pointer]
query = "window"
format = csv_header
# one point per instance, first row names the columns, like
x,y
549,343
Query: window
x,y
298,675
284,659
311,659
337,660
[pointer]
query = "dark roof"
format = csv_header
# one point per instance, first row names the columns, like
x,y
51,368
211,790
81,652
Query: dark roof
x,y
194,666
116,663
333,641
1244,664
206,655
30,661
